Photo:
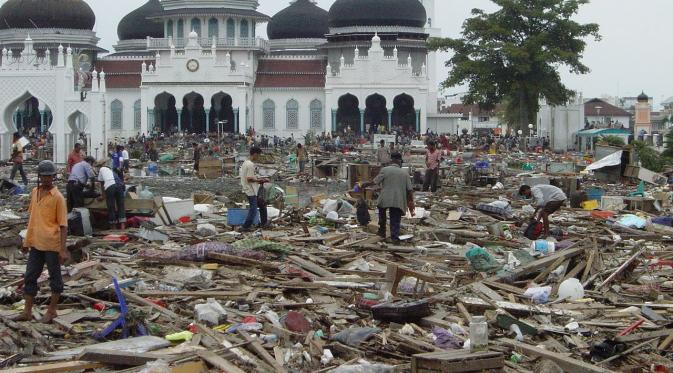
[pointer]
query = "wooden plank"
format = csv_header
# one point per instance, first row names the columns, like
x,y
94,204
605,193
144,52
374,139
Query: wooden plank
x,y
536,265
237,260
70,366
116,357
310,266
543,275
193,294
566,363
142,301
621,268
261,352
481,288
666,342
219,362
637,337
504,287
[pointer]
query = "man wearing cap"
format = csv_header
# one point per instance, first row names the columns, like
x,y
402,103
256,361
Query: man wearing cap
x,y
45,241
397,195
81,176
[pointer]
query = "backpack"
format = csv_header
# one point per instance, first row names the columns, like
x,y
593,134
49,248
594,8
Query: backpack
x,y
534,230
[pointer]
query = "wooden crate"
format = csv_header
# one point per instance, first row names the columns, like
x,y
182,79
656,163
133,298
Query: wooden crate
x,y
457,362
210,169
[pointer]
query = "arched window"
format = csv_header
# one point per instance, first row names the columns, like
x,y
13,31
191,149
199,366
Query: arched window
x,y
213,28
181,29
169,28
137,117
196,26
292,108
117,113
316,114
231,29
269,110
245,33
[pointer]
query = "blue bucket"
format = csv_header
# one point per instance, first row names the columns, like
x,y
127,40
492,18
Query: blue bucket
x,y
595,194
236,217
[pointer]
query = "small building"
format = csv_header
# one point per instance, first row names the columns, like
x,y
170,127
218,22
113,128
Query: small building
x,y
587,139
601,114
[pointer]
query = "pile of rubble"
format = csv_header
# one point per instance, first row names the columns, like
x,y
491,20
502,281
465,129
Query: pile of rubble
x,y
464,292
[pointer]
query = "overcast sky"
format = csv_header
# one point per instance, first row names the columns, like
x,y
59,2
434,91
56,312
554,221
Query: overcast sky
x,y
636,52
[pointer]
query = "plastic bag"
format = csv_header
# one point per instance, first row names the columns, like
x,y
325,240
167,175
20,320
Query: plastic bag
x,y
481,260
211,312
446,339
363,367
158,366
632,221
538,295
355,336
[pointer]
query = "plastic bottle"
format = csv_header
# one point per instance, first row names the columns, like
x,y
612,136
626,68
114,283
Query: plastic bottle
x,y
506,232
542,246
478,334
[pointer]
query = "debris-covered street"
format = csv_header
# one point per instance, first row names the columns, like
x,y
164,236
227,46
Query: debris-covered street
x,y
181,290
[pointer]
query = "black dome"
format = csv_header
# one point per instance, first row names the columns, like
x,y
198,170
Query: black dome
x,y
301,20
135,25
643,97
69,14
410,13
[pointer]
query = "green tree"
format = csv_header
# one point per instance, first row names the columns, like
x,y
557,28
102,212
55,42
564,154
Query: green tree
x,y
513,55
613,140
668,144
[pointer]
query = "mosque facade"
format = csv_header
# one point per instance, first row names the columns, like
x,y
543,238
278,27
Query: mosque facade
x,y
199,66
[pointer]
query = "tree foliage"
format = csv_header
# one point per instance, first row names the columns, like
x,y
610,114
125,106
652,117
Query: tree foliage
x,y
668,144
513,55
613,140
650,158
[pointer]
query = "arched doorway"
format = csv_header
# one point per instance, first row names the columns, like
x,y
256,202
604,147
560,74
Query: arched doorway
x,y
221,110
348,114
165,113
376,112
30,119
404,114
193,117
78,124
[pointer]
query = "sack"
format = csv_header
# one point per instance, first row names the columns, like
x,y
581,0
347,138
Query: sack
x,y
534,230
261,196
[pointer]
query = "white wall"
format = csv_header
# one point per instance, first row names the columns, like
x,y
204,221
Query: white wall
x,y
128,97
561,124
281,98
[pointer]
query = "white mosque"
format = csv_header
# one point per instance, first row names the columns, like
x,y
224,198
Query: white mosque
x,y
198,66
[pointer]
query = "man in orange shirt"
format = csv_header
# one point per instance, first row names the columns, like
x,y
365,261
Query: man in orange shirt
x,y
45,241
74,157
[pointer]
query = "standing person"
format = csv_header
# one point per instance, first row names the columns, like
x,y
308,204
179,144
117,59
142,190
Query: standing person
x,y
302,155
383,154
548,200
197,156
81,176
117,161
432,159
74,157
126,163
251,185
17,159
112,189
397,195
45,241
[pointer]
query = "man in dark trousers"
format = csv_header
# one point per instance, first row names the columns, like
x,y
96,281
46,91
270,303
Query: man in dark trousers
x,y
80,177
17,159
397,195
45,241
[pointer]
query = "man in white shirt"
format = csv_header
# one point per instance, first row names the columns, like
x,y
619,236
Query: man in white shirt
x,y
251,185
548,200
113,189
125,162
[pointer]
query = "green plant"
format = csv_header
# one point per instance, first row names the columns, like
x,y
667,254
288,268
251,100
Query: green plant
x,y
613,140
514,55
650,158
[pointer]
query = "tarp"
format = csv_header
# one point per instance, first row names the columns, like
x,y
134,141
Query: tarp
x,y
613,159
